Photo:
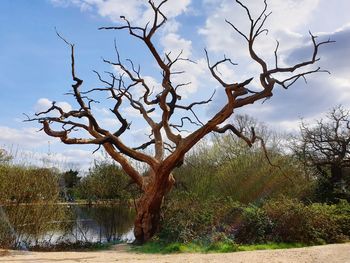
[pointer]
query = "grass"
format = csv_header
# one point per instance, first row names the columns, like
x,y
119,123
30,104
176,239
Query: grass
x,y
270,246
157,247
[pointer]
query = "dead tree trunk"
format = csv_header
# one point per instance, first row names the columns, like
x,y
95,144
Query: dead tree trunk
x,y
149,208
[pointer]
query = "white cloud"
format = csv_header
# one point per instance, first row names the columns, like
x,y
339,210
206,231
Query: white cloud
x,y
102,111
153,84
286,126
226,73
130,112
173,43
171,26
138,11
69,159
193,74
132,10
25,137
289,24
111,123
283,24
140,136
342,87
174,8
64,105
44,104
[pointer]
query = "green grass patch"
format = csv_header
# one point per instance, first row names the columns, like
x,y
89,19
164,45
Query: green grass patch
x,y
164,248
270,246
157,247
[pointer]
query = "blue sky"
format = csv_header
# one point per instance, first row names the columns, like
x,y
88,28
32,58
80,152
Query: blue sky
x,y
35,62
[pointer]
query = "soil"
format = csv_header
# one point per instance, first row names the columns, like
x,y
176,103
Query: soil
x,y
335,253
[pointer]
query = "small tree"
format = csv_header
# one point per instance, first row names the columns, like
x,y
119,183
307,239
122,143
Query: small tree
x,y
28,185
103,182
170,145
4,157
68,182
326,146
71,178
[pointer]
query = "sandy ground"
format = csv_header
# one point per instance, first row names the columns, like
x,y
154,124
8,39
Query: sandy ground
x,y
338,253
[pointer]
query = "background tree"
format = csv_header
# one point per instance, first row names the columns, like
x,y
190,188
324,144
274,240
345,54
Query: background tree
x,y
326,146
105,181
4,157
68,181
228,167
71,178
170,145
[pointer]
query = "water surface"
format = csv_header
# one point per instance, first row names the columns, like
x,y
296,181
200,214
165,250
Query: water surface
x,y
26,226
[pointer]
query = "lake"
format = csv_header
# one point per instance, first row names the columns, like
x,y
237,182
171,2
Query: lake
x,y
28,226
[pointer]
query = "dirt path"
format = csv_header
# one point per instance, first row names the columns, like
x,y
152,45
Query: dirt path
x,y
338,253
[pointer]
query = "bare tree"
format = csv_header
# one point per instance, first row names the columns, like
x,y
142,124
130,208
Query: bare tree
x,y
326,146
169,144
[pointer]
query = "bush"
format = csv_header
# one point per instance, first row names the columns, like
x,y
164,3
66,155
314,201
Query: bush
x,y
27,184
290,220
342,216
7,237
229,168
293,221
255,227
190,218
214,220
104,181
186,220
324,222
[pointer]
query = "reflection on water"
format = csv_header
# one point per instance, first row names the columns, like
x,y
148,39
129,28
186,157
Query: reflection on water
x,y
26,226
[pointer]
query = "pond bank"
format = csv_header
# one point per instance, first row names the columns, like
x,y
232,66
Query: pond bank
x,y
335,253
43,226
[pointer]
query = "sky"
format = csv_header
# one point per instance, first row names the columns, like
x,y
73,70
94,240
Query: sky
x,y
35,63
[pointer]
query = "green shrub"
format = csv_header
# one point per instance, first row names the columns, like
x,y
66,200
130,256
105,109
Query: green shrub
x,y
211,221
325,224
104,181
293,221
189,218
290,221
255,227
229,168
28,184
342,216
186,220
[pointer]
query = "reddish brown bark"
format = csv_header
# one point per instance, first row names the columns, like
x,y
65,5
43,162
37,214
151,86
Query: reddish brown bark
x,y
149,207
